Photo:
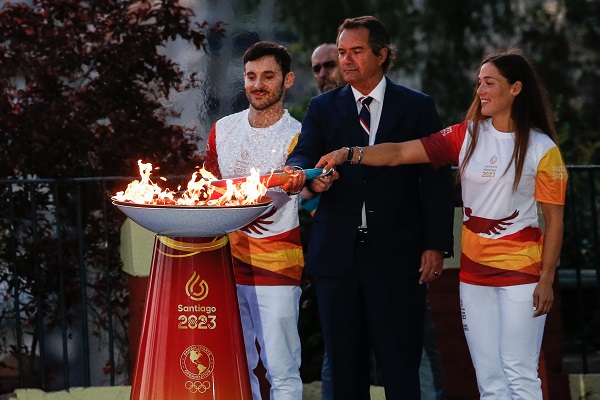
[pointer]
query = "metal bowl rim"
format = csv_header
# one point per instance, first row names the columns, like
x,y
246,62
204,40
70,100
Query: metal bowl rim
x,y
264,201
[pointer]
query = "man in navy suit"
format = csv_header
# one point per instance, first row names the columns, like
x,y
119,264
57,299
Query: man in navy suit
x,y
379,233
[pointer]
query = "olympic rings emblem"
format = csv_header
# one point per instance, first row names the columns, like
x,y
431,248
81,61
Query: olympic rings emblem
x,y
197,386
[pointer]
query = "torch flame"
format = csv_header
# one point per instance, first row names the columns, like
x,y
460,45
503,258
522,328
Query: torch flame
x,y
199,190
253,188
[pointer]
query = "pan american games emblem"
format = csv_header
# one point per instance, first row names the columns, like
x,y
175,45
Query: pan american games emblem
x,y
197,362
196,288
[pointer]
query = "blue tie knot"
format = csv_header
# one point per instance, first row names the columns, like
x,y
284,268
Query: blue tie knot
x,y
366,100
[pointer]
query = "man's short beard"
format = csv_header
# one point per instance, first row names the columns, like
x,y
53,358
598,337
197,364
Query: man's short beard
x,y
264,107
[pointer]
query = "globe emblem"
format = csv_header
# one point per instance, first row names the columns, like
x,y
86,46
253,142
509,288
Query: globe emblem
x,y
197,362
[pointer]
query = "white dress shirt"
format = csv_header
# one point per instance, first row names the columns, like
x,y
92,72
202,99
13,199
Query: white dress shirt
x,y
376,106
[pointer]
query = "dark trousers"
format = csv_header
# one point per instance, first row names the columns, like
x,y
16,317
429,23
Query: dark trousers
x,y
371,310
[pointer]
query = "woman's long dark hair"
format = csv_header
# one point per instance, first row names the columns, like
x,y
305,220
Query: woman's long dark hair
x,y
530,108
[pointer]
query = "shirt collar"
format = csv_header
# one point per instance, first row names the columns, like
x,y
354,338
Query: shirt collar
x,y
377,93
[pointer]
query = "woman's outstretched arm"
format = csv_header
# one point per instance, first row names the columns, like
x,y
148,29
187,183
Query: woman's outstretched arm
x,y
383,154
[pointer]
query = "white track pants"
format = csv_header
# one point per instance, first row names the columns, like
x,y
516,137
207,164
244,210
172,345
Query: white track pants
x,y
270,316
504,340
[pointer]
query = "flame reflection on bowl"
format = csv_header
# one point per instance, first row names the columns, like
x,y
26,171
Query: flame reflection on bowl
x,y
193,221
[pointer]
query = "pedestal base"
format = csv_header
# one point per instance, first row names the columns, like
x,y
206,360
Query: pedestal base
x,y
192,346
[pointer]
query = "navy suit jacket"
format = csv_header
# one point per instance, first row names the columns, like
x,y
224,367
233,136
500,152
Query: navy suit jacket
x,y
409,207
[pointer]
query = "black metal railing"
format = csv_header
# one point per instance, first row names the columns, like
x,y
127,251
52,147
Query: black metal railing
x,y
64,299
579,271
63,295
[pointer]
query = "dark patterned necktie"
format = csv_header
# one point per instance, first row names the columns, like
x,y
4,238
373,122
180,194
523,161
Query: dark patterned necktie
x,y
365,113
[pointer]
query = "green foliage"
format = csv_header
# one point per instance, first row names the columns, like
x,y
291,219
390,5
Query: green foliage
x,y
441,43
298,109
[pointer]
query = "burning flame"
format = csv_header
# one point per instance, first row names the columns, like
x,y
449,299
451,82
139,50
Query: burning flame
x,y
199,192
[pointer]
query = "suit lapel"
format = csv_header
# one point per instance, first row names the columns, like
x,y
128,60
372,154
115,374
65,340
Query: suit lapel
x,y
348,114
393,102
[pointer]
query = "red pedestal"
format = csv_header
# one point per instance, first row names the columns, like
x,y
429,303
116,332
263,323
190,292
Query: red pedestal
x,y
191,345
